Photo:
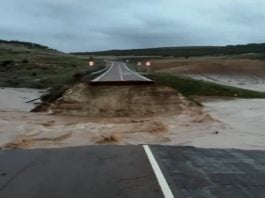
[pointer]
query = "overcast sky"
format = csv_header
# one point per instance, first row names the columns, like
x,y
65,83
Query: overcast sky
x,y
91,25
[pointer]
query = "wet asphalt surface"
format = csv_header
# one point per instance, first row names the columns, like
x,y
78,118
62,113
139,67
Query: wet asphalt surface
x,y
120,72
82,172
124,171
212,173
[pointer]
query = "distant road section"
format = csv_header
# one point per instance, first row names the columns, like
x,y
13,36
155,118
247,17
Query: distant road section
x,y
120,72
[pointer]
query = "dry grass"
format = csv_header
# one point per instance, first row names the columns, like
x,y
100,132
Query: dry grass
x,y
217,65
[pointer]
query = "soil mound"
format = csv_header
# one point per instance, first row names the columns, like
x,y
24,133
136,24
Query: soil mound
x,y
119,101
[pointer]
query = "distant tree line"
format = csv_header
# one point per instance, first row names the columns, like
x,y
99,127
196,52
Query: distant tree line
x,y
26,44
185,51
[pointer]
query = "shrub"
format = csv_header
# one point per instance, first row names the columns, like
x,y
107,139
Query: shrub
x,y
54,93
25,61
7,62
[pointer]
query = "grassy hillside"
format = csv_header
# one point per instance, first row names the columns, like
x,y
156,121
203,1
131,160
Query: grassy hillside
x,y
31,65
187,51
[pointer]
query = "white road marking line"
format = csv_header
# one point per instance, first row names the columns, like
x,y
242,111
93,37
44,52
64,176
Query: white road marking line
x,y
101,76
158,173
121,76
136,73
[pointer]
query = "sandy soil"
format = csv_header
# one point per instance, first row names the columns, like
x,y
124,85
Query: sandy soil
x,y
123,101
220,124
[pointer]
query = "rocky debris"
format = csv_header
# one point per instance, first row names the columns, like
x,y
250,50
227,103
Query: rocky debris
x,y
216,132
110,139
27,140
49,123
19,144
153,126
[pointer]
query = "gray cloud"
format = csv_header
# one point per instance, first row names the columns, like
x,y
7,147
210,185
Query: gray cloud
x,y
88,25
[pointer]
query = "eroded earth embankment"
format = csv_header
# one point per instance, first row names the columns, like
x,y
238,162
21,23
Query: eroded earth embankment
x,y
118,101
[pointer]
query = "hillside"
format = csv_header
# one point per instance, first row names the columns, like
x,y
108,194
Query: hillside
x,y
24,64
25,45
185,51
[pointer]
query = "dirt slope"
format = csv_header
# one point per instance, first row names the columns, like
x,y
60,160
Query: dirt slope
x,y
85,100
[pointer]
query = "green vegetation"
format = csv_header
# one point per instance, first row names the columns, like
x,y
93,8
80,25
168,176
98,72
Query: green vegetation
x,y
191,87
34,66
185,51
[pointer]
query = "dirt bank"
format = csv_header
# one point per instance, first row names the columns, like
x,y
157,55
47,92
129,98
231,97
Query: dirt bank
x,y
118,101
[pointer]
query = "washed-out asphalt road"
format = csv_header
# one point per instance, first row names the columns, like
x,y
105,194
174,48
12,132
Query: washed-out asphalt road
x,y
132,171
120,72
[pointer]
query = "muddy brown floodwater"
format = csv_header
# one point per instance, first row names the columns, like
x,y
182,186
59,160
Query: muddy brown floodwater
x,y
219,124
15,99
